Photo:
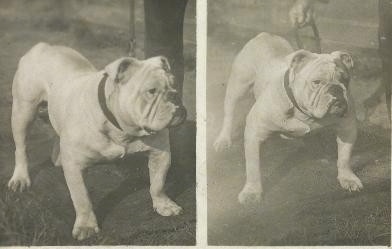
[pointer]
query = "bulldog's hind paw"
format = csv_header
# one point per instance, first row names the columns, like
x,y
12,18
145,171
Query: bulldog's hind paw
x,y
19,182
250,196
222,143
350,181
167,207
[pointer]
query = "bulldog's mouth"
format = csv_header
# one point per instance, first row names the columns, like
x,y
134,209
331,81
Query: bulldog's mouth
x,y
338,105
179,117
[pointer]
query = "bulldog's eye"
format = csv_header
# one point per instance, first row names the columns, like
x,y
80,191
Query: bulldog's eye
x,y
316,82
152,91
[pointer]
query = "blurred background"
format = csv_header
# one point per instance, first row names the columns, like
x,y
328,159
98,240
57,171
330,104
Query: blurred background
x,y
303,202
99,30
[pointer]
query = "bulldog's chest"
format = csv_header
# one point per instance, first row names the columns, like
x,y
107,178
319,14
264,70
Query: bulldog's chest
x,y
294,127
115,150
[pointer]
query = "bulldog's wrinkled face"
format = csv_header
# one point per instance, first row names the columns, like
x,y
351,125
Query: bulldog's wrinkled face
x,y
146,94
320,82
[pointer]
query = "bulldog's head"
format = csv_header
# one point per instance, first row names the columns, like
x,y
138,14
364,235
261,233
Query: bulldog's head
x,y
320,82
145,94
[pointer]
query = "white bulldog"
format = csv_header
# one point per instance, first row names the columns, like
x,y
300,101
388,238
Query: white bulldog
x,y
296,92
98,116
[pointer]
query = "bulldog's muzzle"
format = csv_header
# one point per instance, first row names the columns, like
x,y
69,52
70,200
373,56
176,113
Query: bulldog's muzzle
x,y
180,114
338,106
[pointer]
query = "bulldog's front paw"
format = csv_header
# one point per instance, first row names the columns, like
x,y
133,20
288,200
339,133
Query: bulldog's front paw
x,y
223,142
348,180
166,207
85,227
19,180
250,195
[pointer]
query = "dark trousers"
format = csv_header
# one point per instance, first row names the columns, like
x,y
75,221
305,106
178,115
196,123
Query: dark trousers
x,y
164,21
385,41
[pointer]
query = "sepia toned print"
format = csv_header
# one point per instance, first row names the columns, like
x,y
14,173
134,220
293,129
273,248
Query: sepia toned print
x,y
97,123
298,130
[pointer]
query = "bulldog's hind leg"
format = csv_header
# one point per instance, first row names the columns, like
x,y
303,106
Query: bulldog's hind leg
x,y
27,94
23,114
240,83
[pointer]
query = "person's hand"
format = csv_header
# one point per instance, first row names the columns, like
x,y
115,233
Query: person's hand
x,y
302,13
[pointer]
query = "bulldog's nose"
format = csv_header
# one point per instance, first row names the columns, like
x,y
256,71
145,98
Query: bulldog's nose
x,y
336,91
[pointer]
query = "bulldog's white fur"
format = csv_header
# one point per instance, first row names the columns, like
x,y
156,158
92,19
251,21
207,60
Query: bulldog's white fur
x,y
136,92
316,83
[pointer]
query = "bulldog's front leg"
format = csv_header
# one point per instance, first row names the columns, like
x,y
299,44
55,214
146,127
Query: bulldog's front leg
x,y
346,136
86,222
159,164
252,191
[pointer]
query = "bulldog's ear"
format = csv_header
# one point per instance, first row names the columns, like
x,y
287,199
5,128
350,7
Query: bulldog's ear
x,y
343,58
121,69
344,61
298,59
165,63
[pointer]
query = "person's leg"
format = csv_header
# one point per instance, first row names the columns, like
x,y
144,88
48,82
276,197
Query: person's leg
x,y
385,40
164,21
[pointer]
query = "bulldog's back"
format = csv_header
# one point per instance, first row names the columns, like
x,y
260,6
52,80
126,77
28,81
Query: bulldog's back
x,y
53,64
266,45
50,73
261,57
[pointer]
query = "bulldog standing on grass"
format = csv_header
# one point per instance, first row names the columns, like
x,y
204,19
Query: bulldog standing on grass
x,y
296,92
98,116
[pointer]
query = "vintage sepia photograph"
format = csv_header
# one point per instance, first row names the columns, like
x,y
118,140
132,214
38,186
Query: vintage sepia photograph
x,y
298,122
97,122
202,123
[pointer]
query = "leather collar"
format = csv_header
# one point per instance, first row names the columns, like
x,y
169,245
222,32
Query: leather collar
x,y
290,93
102,102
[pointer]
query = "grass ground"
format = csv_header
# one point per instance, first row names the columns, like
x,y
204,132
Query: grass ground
x,y
119,191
